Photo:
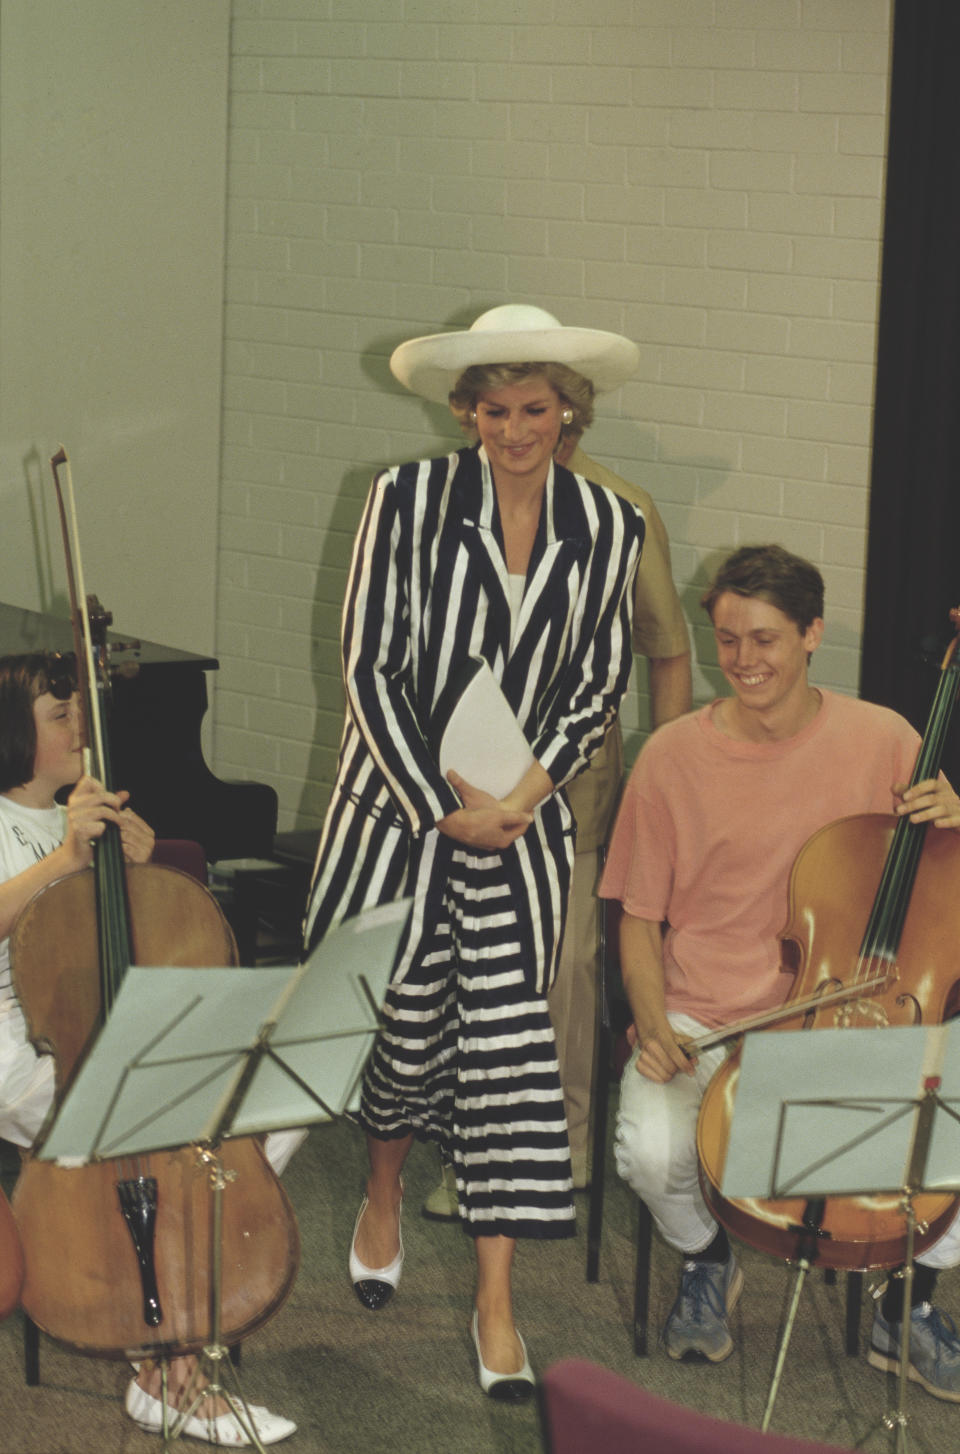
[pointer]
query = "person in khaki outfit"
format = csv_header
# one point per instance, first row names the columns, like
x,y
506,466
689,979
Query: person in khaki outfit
x,y
659,634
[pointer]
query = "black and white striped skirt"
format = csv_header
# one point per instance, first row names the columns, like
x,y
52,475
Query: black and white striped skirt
x,y
467,1058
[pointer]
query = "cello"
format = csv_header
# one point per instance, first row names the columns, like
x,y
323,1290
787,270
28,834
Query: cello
x,y
891,876
120,1256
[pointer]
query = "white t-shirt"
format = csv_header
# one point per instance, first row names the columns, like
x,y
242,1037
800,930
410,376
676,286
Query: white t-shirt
x,y
27,835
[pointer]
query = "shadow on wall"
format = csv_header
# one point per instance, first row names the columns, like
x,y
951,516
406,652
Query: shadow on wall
x,y
324,646
391,440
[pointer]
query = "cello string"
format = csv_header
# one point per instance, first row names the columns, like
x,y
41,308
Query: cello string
x,y
887,918
113,920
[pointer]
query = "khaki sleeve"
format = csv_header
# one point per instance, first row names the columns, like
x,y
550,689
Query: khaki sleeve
x,y
595,792
659,626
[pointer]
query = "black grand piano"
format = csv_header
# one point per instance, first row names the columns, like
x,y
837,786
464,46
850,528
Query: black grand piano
x,y
159,699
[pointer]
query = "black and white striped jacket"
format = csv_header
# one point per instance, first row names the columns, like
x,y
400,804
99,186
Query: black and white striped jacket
x,y
428,588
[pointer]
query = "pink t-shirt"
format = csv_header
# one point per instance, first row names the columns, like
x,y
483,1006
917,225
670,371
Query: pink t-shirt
x,y
709,828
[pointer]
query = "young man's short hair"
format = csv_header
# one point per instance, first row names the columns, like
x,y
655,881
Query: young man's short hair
x,y
771,573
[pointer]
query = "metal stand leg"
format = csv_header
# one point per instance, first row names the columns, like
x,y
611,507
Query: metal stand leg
x,y
809,1232
215,1360
896,1418
803,1267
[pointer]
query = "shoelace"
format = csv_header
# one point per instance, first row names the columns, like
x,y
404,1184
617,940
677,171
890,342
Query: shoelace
x,y
698,1289
942,1328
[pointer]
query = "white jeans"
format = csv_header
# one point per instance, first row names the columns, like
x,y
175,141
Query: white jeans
x,y
656,1144
656,1153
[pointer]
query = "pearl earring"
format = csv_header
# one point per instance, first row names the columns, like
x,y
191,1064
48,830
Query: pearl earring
x,y
472,416
567,416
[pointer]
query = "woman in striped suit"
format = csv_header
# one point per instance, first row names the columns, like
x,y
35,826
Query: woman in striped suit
x,y
494,553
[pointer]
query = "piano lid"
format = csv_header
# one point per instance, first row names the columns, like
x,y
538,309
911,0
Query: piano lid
x,y
23,630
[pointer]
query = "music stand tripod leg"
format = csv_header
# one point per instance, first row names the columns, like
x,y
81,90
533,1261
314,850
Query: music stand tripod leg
x,y
215,1356
896,1419
803,1267
169,1433
808,1233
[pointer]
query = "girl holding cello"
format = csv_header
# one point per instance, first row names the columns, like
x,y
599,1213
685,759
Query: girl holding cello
x,y
717,808
40,841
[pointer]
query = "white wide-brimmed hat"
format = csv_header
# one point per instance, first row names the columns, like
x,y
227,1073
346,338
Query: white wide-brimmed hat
x,y
513,333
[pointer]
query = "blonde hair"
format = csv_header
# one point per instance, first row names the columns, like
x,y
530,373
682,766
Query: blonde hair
x,y
574,390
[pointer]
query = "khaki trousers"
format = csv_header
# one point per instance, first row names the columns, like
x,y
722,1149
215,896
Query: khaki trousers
x,y
572,1003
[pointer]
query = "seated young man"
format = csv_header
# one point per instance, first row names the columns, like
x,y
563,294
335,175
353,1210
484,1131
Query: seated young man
x,y
717,807
40,841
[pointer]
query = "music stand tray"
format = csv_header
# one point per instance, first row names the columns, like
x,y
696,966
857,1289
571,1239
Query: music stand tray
x,y
192,1055
799,1130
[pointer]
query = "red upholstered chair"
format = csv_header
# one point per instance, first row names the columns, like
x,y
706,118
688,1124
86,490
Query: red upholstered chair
x,y
587,1408
181,853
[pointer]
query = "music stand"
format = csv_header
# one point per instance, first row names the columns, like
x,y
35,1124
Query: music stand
x,y
192,1056
887,1138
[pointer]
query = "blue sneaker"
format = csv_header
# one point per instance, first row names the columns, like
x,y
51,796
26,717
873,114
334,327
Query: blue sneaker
x,y
934,1350
697,1325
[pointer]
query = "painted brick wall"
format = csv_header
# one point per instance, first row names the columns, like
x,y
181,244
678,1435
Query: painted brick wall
x,y
703,175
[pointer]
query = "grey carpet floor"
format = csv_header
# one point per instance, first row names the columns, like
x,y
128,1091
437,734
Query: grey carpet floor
x,y
403,1379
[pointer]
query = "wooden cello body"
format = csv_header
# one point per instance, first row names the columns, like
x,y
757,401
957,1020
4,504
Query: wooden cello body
x,y
84,1282
873,901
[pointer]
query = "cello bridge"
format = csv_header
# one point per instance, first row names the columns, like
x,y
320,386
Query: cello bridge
x,y
861,1013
